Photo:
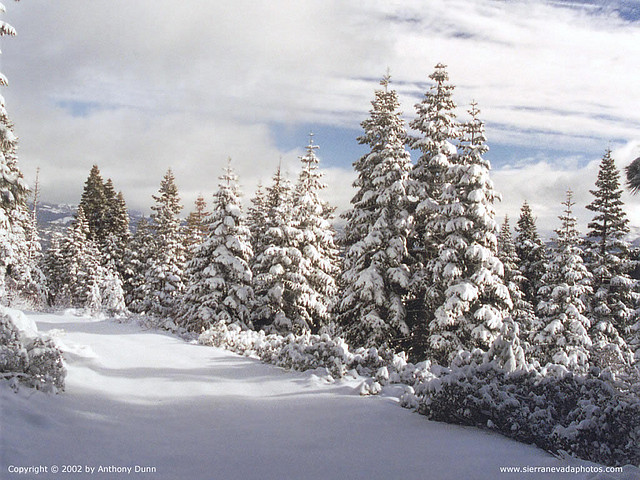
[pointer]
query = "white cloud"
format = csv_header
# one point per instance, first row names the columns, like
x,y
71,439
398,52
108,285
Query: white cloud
x,y
544,183
187,84
135,150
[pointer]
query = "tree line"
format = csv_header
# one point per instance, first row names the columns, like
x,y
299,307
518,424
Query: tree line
x,y
422,265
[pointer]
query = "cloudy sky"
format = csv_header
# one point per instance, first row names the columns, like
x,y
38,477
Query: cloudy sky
x,y
140,86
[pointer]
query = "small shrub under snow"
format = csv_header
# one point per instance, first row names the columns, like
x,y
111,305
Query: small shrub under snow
x,y
26,357
307,352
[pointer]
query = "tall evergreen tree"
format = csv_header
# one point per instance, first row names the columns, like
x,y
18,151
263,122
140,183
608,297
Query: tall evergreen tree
x,y
220,279
522,312
315,240
608,258
437,131
276,264
115,236
108,219
295,274
563,337
513,277
116,232
466,275
76,276
137,262
13,189
93,203
257,222
106,241
17,272
79,280
164,277
109,206
375,274
531,252
27,278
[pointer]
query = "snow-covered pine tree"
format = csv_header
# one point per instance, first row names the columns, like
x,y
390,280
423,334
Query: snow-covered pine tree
x,y
137,262
257,222
108,219
466,275
27,279
107,241
121,222
361,216
112,244
13,189
608,258
112,292
93,203
523,312
438,129
196,229
276,265
17,246
531,252
109,203
220,278
513,277
375,276
76,275
563,337
164,277
19,275
116,231
80,269
315,240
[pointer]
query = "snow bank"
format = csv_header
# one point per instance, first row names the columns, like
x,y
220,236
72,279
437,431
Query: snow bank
x,y
25,325
26,357
589,416
136,396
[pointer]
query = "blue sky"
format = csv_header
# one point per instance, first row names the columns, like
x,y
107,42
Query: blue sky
x,y
138,87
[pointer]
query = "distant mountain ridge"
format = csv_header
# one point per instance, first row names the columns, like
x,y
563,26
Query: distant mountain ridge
x,y
56,217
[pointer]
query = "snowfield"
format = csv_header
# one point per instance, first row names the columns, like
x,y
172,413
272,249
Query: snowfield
x,y
177,410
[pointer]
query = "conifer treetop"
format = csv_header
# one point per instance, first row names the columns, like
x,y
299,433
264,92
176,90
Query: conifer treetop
x,y
168,198
436,114
526,224
94,201
568,234
385,135
610,219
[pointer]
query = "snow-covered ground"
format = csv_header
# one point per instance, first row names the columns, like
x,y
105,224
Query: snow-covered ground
x,y
185,411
